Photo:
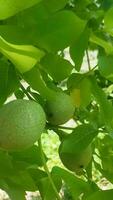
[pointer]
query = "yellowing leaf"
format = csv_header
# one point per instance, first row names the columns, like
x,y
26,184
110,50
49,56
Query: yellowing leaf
x,y
80,91
75,95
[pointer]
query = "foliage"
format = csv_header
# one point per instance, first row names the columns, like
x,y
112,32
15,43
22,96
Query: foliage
x,y
34,36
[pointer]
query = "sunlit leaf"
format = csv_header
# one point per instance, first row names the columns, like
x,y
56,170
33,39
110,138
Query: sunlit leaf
x,y
24,57
108,19
11,7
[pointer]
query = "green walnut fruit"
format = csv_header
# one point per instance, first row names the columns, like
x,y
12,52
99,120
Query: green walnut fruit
x,y
21,124
59,109
76,162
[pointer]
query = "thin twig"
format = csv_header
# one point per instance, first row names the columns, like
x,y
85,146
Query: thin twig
x,y
59,127
88,60
47,170
91,70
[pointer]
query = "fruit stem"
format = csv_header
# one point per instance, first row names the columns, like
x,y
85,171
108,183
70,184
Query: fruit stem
x,y
47,170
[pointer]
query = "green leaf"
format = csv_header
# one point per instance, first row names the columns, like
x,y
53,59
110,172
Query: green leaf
x,y
52,32
107,4
31,156
35,80
105,44
107,168
74,80
24,180
36,174
15,34
13,81
19,94
20,165
8,80
79,139
94,118
45,187
24,57
105,148
106,108
105,64
59,31
76,185
11,7
38,98
55,5
101,195
6,166
3,80
82,4
78,48
52,64
29,18
108,22
14,191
